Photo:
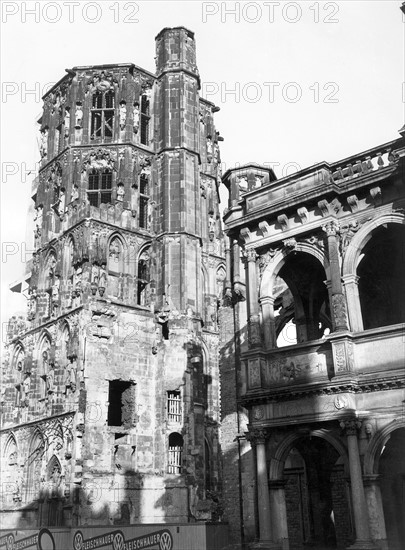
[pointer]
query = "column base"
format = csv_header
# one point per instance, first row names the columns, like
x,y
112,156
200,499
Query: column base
x,y
264,545
363,545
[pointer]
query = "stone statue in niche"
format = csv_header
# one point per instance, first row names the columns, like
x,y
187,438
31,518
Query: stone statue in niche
x,y
75,193
43,148
62,201
25,390
102,283
70,378
52,265
216,153
211,226
66,122
258,181
120,192
78,115
210,149
55,294
123,115
37,237
32,304
136,118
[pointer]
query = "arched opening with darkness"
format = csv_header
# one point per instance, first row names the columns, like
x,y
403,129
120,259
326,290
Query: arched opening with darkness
x,y
175,453
301,302
381,273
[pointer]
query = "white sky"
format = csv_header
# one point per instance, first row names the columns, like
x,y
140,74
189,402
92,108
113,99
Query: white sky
x,y
349,51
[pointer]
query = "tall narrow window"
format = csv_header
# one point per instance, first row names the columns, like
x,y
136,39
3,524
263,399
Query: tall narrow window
x,y
100,187
145,119
143,200
173,406
121,404
175,453
143,278
102,115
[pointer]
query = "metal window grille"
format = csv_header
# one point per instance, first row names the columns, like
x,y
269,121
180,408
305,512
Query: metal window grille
x,y
173,406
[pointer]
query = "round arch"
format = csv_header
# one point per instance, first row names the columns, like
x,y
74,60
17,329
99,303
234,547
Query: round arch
x,y
377,444
280,258
361,238
280,456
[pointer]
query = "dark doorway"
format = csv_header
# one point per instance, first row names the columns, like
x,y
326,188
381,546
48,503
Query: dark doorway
x,y
317,501
392,483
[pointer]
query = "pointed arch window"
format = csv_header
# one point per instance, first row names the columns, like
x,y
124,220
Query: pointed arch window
x,y
11,480
144,199
102,115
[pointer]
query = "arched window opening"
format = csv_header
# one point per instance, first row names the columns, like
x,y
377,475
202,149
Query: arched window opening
x,y
35,463
175,453
301,301
143,278
54,492
381,274
100,187
11,485
102,115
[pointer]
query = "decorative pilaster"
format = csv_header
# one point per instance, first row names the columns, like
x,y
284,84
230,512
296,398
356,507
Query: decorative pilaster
x,y
255,339
338,299
375,509
363,541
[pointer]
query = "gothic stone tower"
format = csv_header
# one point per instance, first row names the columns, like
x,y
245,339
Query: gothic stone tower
x,y
111,406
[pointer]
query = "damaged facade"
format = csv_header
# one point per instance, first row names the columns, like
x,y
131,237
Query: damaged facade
x,y
110,408
316,266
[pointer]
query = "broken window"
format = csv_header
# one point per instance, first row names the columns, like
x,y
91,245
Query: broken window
x,y
145,120
175,453
100,187
102,115
121,404
173,406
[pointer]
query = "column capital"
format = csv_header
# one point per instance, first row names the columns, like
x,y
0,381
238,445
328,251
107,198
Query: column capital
x,y
351,426
251,254
257,436
331,228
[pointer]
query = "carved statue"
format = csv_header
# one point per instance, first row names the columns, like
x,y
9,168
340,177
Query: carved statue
x,y
212,224
136,117
102,282
75,193
210,150
70,376
62,201
55,294
123,115
32,305
78,115
37,237
43,148
25,390
66,121
120,192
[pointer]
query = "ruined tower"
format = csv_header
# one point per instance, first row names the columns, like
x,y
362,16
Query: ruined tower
x,y
111,401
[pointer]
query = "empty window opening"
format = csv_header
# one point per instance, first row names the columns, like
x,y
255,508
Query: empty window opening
x,y
173,406
175,453
121,403
102,115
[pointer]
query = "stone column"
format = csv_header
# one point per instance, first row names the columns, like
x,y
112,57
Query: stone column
x,y
278,512
269,325
351,284
255,339
361,521
338,299
258,438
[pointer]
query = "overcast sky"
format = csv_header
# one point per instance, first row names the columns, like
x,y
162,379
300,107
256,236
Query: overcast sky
x,y
296,82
